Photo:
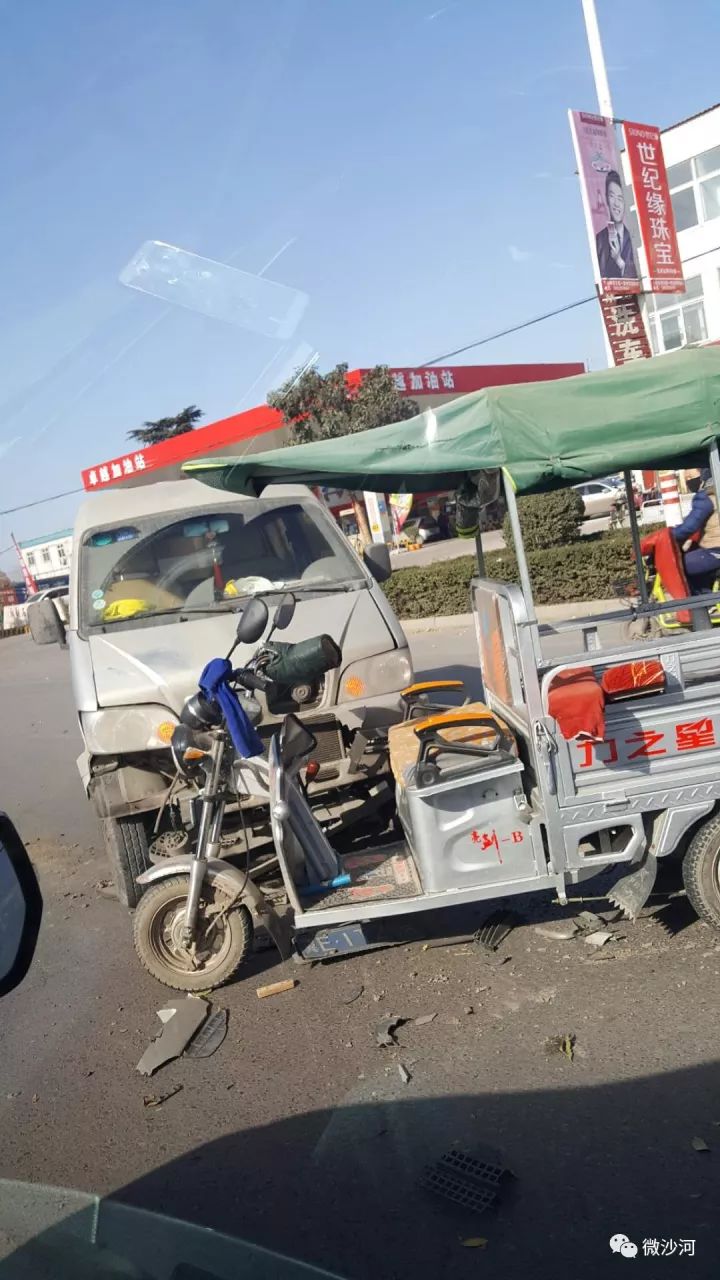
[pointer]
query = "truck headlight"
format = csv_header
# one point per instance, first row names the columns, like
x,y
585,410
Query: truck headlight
x,y
118,730
386,673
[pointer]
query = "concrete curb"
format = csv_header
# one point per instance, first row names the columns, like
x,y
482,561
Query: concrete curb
x,y
547,613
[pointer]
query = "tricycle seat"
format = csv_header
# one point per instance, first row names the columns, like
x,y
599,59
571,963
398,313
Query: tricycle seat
x,y
404,741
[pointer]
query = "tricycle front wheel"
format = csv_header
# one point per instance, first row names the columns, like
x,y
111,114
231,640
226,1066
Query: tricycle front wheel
x,y
223,936
701,871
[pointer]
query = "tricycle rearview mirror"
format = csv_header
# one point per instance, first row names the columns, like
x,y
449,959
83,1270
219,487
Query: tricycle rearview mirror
x,y
46,625
285,612
377,559
20,907
253,621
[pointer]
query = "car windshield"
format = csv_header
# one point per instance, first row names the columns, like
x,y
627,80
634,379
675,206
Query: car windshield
x,y
205,560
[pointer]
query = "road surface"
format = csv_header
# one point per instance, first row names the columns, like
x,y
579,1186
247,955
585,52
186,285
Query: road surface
x,y
300,1133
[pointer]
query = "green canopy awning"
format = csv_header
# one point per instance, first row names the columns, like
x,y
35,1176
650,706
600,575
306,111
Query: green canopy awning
x,y
648,413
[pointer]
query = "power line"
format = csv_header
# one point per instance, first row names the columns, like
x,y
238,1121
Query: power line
x,y
570,306
40,501
480,342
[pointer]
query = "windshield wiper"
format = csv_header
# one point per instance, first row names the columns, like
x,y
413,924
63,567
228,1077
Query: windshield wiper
x,y
311,586
230,606
182,611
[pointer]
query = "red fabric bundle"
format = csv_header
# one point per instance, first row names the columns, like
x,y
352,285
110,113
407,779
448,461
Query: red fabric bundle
x,y
666,553
577,702
631,677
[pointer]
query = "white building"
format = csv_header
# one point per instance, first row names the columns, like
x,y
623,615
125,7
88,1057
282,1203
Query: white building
x,y
48,559
692,156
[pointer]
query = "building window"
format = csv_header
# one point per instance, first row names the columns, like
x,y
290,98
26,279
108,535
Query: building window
x,y
695,189
45,554
30,557
708,171
676,319
61,554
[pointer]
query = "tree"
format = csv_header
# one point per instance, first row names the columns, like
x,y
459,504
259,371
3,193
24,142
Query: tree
x,y
321,406
167,428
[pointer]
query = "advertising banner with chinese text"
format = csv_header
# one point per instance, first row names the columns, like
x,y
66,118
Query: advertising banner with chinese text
x,y
654,207
605,203
625,328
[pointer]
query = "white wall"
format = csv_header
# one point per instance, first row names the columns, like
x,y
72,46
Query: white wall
x,y
681,143
57,566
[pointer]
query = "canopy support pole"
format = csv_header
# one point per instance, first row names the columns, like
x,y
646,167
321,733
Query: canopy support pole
x,y
635,535
479,549
714,457
521,560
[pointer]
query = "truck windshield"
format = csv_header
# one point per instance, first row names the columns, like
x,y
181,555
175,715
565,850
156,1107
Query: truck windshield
x,y
206,559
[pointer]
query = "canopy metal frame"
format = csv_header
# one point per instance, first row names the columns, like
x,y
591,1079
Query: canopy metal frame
x,y
698,604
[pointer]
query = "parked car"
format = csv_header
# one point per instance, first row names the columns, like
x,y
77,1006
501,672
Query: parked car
x,y
599,497
48,593
425,529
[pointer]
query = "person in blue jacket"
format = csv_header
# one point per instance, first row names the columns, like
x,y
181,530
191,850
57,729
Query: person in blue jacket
x,y
702,561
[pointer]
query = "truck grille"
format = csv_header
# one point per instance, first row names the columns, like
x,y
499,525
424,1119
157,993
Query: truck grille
x,y
329,738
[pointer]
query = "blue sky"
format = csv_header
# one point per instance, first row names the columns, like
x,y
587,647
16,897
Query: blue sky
x,y
411,159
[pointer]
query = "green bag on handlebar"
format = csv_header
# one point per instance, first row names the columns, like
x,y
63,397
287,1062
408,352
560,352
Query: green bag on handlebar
x,y
307,660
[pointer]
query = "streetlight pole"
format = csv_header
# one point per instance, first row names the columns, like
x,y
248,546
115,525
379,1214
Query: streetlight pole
x,y
597,58
668,479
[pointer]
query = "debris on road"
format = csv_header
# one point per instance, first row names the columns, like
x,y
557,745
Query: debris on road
x,y
563,931
385,1032
564,1044
157,1099
181,1018
699,1144
210,1036
474,1242
424,1019
598,938
404,1073
448,942
276,988
459,1177
496,929
609,917
590,920
354,995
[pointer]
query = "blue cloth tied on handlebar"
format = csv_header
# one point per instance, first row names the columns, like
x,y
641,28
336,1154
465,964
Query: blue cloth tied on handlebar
x,y
215,684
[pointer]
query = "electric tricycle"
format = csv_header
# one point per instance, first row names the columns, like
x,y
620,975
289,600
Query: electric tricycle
x,y
588,754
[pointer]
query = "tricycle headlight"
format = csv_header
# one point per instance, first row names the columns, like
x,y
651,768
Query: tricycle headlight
x,y
385,673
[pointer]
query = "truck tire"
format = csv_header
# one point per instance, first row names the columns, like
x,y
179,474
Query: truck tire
x,y
126,845
701,871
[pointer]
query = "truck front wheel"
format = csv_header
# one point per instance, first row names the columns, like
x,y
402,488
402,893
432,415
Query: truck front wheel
x,y
126,845
701,871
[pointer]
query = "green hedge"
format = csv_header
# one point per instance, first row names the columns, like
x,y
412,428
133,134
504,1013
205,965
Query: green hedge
x,y
547,519
583,570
